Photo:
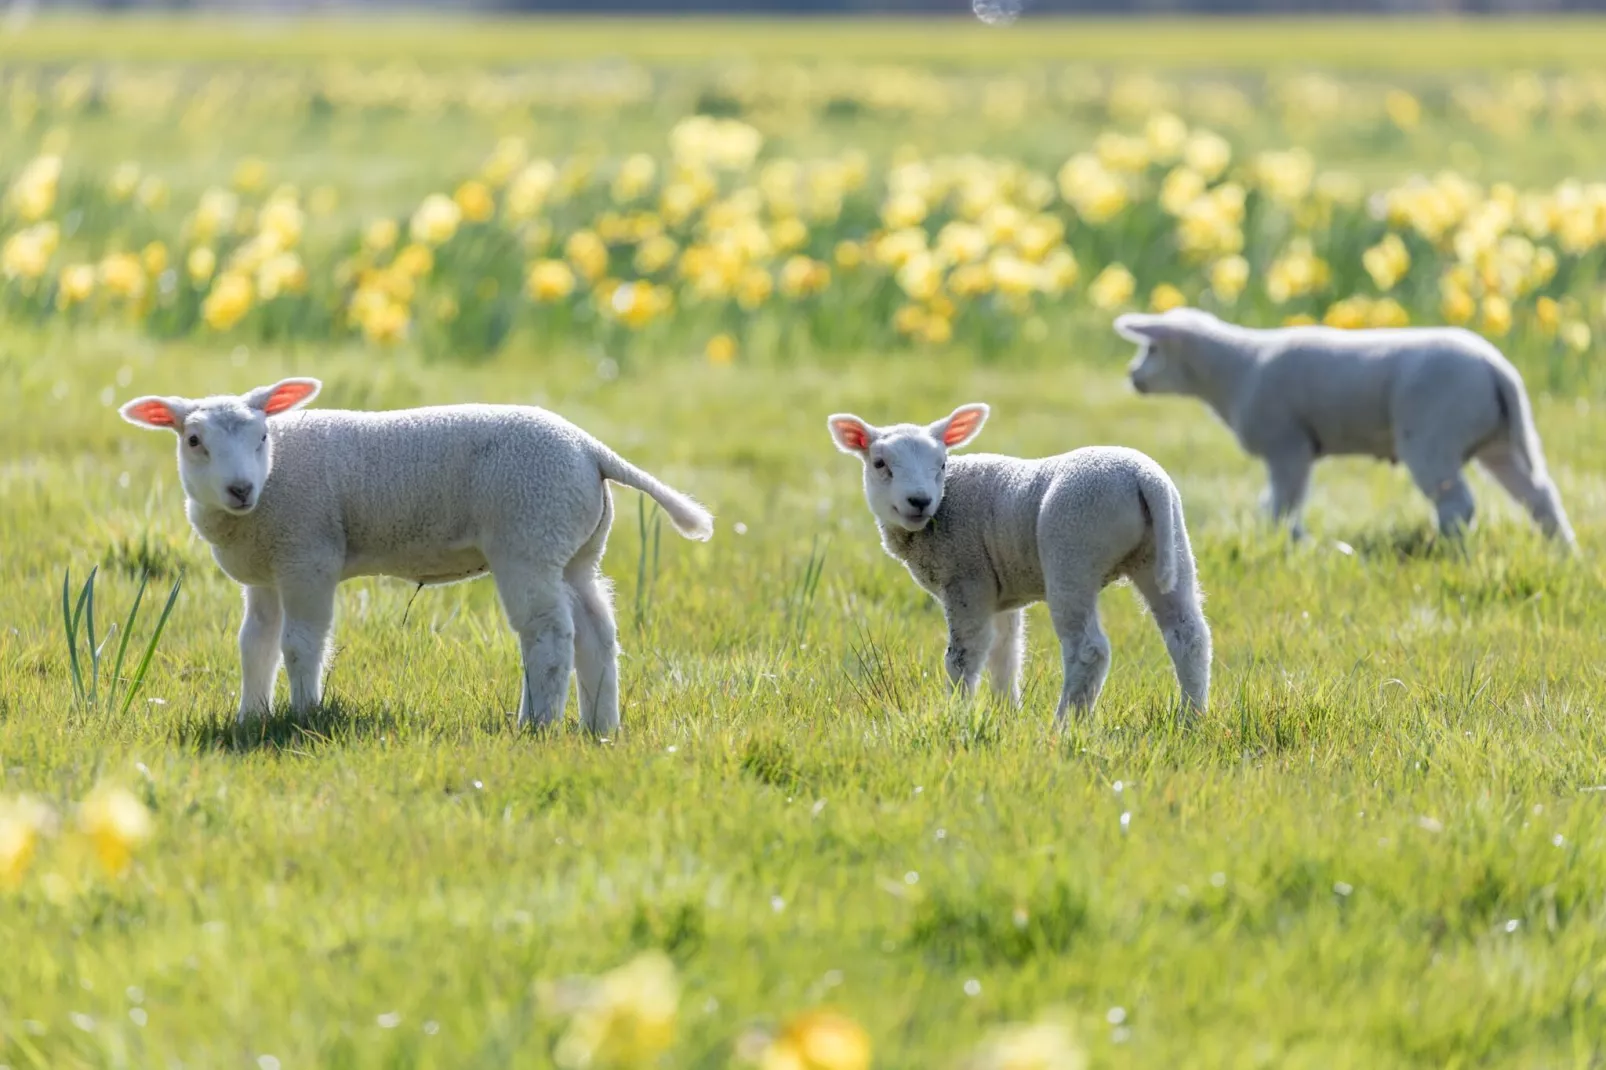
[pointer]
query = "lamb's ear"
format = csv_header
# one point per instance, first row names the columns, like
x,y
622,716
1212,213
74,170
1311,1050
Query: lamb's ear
x,y
157,414
284,395
1137,327
961,426
851,434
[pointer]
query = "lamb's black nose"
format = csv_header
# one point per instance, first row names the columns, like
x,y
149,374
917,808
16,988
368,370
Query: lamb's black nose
x,y
241,492
919,502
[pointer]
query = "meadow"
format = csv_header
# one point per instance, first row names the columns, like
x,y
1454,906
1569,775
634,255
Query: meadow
x,y
1383,844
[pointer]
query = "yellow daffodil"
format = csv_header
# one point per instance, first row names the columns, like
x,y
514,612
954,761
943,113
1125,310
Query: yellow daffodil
x,y
24,821
117,825
1113,288
818,1040
228,302
721,349
436,220
627,1018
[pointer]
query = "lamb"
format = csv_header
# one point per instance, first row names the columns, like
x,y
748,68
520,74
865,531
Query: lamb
x,y
988,535
293,503
1433,398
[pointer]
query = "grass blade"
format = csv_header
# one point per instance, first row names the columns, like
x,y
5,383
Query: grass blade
x,y
128,630
94,650
69,621
138,678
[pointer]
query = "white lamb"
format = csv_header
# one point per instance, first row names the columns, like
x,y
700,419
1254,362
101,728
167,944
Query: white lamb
x,y
1432,398
989,535
293,503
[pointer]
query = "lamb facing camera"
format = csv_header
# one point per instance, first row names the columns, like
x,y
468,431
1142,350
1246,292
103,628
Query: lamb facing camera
x,y
989,535
1430,398
295,502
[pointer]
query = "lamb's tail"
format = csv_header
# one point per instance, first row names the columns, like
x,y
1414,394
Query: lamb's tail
x,y
1519,420
1165,513
689,518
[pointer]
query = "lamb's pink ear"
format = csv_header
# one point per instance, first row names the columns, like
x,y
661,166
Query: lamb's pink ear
x,y
851,434
158,414
962,425
283,396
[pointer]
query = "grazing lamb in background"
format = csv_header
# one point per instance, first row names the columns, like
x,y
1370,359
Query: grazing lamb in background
x,y
294,504
1432,398
989,535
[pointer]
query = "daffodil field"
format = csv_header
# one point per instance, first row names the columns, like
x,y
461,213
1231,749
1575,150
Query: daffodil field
x,y
1381,847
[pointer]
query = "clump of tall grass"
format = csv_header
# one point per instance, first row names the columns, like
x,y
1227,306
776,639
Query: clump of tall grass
x,y
78,620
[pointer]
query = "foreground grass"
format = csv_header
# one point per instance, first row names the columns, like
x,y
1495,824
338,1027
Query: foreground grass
x,y
1383,846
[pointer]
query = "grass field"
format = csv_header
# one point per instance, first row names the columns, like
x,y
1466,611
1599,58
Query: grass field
x,y
1383,846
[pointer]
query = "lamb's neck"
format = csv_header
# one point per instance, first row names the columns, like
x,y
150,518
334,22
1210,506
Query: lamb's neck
x,y
214,525
899,542
1225,369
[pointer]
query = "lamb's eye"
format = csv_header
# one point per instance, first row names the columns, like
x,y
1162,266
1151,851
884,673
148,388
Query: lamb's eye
x,y
195,440
880,464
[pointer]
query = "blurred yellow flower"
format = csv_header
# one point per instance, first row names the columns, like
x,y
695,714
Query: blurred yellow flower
x,y
214,214
436,220
1349,314
637,304
24,821
504,161
473,198
77,283
200,264
380,236
414,261
281,222
1285,176
1181,188
1403,109
848,255
33,193
1496,317
280,274
549,280
635,178
587,253
1167,135
385,323
528,192
228,302
802,276
1040,1046
1097,194
1112,288
920,277
122,275
1456,305
1575,335
154,258
909,319
655,254
906,209
627,1018
26,254
753,288
123,181
1387,262
1547,315
1228,277
818,1040
789,233
117,825
1207,153
1297,272
1387,312
1299,319
250,174
721,349
1165,297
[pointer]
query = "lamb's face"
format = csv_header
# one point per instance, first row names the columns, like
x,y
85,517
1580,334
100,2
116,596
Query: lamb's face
x,y
903,474
1155,371
224,450
225,455
904,465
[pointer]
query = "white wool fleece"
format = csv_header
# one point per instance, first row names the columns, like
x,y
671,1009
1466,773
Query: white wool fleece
x,y
293,502
989,535
1430,398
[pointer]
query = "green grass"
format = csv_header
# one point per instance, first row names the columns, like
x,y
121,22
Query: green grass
x,y
793,794
1383,846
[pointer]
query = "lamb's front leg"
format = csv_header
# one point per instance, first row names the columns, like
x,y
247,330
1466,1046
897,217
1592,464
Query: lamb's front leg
x,y
309,610
1289,469
259,650
970,637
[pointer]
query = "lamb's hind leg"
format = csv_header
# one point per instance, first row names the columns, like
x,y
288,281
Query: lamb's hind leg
x,y
1008,650
537,601
1436,470
1538,496
596,636
1181,620
1084,648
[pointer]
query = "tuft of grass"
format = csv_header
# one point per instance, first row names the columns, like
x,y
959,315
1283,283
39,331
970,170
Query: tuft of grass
x,y
78,620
